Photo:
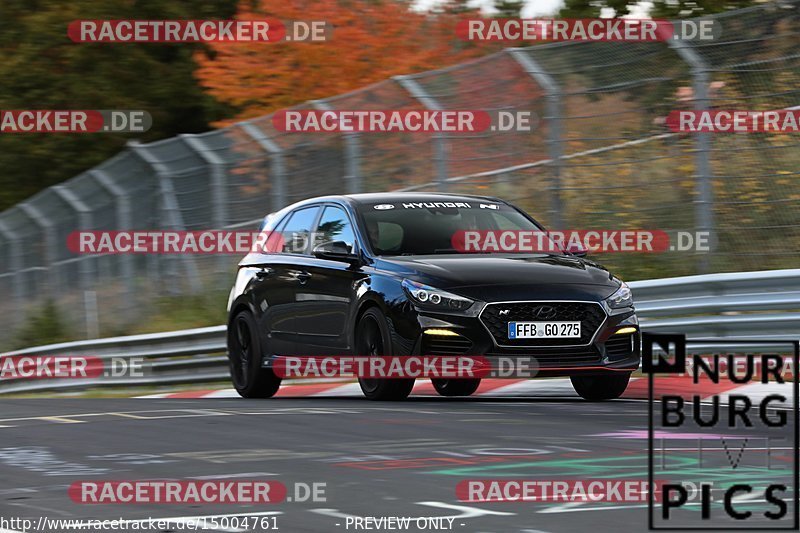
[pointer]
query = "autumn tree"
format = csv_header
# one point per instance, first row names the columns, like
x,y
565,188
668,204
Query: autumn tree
x,y
372,41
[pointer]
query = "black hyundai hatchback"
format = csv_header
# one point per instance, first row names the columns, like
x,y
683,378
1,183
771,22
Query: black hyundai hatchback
x,y
377,274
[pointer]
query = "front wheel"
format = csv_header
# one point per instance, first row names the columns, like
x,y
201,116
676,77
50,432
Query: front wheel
x,y
455,387
373,339
244,354
600,388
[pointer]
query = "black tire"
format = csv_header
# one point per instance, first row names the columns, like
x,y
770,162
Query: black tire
x,y
456,387
244,356
372,338
600,388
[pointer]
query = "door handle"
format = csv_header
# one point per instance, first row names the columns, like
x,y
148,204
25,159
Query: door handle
x,y
302,277
263,273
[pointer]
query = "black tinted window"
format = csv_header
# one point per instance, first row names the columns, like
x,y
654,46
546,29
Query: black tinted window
x,y
335,226
297,231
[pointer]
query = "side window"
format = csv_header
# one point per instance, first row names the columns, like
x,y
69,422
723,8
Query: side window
x,y
335,226
297,231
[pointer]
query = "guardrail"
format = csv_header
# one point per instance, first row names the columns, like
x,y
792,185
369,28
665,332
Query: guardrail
x,y
186,356
751,305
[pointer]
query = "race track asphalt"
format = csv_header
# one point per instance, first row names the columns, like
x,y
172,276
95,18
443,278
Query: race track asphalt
x,y
399,459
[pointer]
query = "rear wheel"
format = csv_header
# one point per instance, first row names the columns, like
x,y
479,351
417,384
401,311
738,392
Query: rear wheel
x,y
244,355
373,339
599,388
455,387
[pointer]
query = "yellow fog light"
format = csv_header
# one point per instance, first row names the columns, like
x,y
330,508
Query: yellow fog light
x,y
625,331
441,332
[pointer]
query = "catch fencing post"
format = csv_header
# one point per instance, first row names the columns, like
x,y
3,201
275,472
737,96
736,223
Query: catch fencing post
x,y
14,256
277,167
217,173
219,194
124,222
85,263
352,146
704,186
170,210
38,218
440,146
554,136
85,224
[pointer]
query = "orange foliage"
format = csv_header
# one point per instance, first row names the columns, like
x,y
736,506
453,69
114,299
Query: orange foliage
x,y
372,40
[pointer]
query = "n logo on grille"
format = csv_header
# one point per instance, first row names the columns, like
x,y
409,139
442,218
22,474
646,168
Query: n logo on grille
x,y
503,312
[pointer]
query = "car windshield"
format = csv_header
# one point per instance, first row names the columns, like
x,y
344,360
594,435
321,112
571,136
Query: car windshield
x,y
438,227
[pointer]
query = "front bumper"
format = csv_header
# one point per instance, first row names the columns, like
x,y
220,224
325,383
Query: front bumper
x,y
602,352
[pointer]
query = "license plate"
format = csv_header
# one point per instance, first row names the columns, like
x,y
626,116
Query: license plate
x,y
544,330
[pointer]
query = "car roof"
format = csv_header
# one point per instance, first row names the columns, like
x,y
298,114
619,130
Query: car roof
x,y
370,198
388,197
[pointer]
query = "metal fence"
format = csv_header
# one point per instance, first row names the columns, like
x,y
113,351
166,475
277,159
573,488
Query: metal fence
x,y
601,157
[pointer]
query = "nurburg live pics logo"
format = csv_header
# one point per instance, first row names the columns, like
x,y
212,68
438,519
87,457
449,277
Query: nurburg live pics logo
x,y
727,467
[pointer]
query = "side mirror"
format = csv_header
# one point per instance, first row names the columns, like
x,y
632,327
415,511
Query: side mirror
x,y
336,251
577,250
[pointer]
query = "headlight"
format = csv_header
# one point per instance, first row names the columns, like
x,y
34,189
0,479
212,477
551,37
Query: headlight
x,y
435,299
622,297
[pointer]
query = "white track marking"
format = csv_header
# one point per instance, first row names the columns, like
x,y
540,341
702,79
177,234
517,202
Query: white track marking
x,y
224,393
549,387
348,390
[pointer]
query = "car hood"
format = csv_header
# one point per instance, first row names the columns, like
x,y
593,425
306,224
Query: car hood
x,y
507,277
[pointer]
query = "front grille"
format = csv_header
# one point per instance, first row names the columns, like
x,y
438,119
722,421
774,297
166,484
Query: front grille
x,y
619,346
445,345
590,315
564,356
